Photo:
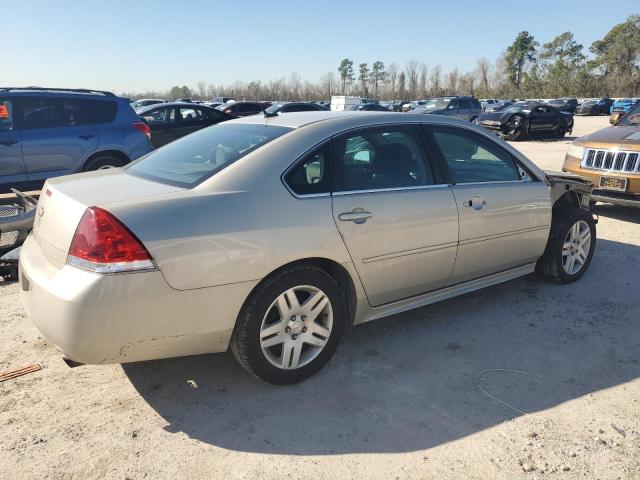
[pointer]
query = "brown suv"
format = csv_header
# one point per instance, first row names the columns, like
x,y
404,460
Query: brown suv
x,y
611,159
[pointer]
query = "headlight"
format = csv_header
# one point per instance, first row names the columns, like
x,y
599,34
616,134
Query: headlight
x,y
575,151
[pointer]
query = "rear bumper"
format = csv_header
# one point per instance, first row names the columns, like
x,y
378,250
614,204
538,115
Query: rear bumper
x,y
99,319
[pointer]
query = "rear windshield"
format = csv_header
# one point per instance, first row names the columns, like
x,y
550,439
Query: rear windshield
x,y
191,160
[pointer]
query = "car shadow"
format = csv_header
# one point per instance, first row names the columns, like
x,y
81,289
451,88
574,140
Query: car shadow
x,y
422,378
626,214
550,139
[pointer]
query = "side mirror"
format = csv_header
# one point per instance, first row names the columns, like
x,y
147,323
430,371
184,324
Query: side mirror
x,y
615,117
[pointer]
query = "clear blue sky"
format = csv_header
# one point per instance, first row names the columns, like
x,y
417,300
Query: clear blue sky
x,y
142,44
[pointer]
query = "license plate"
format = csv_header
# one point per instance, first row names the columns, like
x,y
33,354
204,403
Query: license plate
x,y
613,183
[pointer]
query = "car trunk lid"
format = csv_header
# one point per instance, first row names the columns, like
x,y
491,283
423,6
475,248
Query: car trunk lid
x,y
64,200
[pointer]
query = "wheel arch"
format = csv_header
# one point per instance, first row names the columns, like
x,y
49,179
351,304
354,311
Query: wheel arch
x,y
104,153
334,269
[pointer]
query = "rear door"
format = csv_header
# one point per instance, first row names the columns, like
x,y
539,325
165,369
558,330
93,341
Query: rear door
x,y
57,136
397,219
12,170
504,220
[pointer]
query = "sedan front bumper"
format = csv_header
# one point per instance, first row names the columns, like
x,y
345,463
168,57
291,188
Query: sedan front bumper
x,y
98,319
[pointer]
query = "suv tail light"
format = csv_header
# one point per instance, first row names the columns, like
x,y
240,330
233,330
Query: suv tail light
x,y
103,244
143,127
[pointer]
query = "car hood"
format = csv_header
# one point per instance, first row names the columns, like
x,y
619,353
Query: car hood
x,y
494,116
621,135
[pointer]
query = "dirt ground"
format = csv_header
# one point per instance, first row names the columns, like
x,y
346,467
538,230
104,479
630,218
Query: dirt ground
x,y
523,380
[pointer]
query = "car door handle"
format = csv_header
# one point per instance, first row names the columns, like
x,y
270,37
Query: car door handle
x,y
357,215
86,136
476,202
8,143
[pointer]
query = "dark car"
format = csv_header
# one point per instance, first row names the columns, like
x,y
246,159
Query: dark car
x,y
524,119
288,107
48,132
369,107
243,109
565,104
170,121
595,107
465,108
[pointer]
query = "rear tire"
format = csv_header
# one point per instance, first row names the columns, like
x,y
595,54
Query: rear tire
x,y
570,247
103,162
276,330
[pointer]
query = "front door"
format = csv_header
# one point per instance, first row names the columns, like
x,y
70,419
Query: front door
x,y
12,170
399,224
541,119
504,220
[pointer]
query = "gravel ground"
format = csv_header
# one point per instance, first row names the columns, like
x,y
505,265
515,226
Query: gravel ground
x,y
522,380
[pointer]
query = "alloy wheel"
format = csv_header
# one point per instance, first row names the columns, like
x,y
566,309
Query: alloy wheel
x,y
575,249
296,327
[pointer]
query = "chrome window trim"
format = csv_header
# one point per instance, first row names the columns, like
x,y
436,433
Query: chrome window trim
x,y
391,189
487,135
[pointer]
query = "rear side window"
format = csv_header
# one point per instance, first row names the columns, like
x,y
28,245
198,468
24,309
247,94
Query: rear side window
x,y
380,158
191,160
464,103
476,104
160,116
311,174
473,159
6,115
40,112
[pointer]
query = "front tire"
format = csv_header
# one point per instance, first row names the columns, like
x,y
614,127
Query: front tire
x,y
570,247
290,326
561,131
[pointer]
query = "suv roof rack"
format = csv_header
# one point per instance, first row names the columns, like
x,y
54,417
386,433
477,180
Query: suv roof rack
x,y
47,89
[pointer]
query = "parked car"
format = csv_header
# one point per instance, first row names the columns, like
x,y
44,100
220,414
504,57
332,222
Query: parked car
x,y
46,132
466,108
565,104
624,105
243,109
497,107
595,107
171,121
485,102
525,119
287,107
221,100
145,102
242,236
398,105
369,107
610,158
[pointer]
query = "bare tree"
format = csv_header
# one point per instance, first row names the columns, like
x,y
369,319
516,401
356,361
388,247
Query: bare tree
x,y
483,75
401,86
412,77
392,71
436,81
423,80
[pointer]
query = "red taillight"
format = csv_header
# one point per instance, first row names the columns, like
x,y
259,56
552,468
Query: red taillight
x,y
103,244
143,127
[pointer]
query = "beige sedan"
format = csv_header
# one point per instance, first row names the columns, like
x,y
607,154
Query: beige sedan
x,y
271,235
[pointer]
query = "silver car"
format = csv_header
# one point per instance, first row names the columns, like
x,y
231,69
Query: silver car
x,y
271,236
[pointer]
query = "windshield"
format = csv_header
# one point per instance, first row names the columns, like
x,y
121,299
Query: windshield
x,y
556,102
589,103
274,108
632,118
514,109
191,160
437,103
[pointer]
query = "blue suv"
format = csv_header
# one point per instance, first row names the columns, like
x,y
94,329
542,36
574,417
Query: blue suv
x,y
48,132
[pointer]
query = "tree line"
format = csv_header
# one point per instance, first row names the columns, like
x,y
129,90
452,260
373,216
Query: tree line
x,y
527,69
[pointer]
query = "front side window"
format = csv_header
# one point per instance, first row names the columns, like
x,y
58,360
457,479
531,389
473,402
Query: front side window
x,y
6,115
311,174
472,158
380,158
192,159
190,115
